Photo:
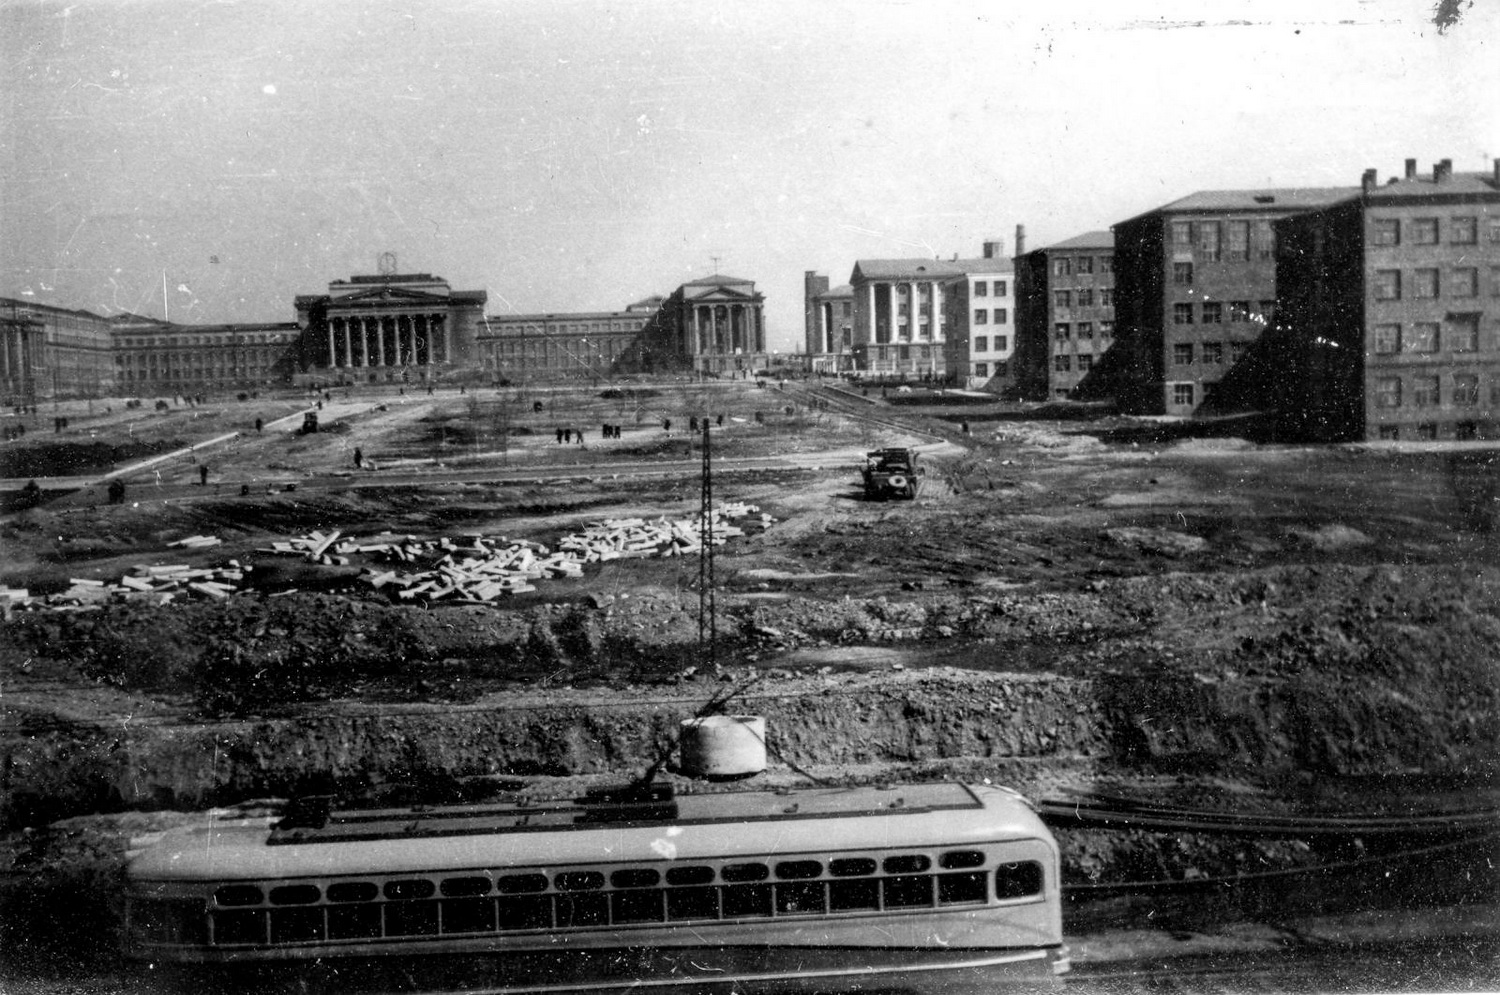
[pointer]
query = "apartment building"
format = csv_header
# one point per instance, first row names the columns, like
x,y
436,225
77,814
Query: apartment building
x,y
1067,313
980,311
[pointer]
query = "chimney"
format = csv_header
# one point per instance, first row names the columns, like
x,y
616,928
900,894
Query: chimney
x,y
1442,171
994,248
1021,239
1411,169
1497,172
1367,182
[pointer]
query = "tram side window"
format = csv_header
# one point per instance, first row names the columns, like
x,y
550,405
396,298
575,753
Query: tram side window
x,y
1020,879
587,909
692,903
854,895
353,922
637,905
907,891
299,925
240,926
959,889
526,912
744,900
468,915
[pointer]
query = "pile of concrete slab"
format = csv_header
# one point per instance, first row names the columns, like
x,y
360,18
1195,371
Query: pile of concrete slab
x,y
150,584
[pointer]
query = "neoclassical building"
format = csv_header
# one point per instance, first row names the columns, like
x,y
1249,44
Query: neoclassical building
x,y
715,325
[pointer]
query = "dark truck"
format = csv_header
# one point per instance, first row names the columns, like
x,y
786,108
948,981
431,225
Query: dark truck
x,y
891,473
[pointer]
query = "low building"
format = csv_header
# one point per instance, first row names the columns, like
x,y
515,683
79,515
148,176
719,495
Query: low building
x,y
1067,314
1389,326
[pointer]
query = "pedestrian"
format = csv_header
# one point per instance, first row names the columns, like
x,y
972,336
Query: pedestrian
x,y
117,491
559,437
567,436
693,423
580,436
359,457
259,425
203,475
721,421
667,424
965,427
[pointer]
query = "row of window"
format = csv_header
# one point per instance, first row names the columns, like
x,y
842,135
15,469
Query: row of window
x,y
1213,312
1083,297
1208,353
1426,391
218,374
1429,431
1460,333
1428,231
1064,364
981,288
1425,283
982,343
881,353
983,369
982,316
1064,330
1082,265
218,340
1232,241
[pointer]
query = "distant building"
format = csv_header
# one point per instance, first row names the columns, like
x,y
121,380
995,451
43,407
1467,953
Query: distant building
x,y
712,325
1067,314
568,345
388,327
828,338
152,356
1389,327
48,352
1195,288
979,320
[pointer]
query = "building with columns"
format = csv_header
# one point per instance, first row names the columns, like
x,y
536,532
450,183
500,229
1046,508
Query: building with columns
x,y
388,327
568,345
48,352
151,355
828,317
711,325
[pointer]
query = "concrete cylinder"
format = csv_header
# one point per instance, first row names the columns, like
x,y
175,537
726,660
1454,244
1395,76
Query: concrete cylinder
x,y
723,746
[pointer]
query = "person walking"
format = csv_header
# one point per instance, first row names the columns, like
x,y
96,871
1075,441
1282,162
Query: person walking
x,y
359,457
203,475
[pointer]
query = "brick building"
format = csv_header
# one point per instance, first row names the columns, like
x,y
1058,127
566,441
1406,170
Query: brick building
x,y
1195,287
1390,310
1067,315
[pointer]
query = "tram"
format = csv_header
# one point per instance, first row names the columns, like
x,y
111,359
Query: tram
x,y
940,886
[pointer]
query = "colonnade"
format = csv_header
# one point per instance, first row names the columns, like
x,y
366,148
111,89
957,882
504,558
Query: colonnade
x,y
890,331
388,340
728,328
17,342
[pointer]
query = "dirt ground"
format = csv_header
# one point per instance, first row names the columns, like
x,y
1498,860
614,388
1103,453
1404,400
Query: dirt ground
x,y
1075,602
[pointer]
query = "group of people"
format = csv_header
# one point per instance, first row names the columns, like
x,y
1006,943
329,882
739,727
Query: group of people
x,y
565,436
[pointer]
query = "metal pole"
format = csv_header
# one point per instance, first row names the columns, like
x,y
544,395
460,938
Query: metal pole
x,y
707,616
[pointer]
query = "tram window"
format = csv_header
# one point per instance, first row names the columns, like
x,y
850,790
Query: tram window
x,y
411,918
958,889
353,891
800,898
635,877
578,881
468,915
353,922
637,906
529,912
851,867
692,903
911,863
849,896
690,875
295,894
464,887
297,925
583,910
745,900
243,926
1019,879
409,889
521,884
744,872
238,894
907,892
797,870
955,860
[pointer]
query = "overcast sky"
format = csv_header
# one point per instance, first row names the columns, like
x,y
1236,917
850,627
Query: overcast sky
x,y
583,155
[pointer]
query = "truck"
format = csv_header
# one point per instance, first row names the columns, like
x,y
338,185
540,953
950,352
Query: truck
x,y
891,473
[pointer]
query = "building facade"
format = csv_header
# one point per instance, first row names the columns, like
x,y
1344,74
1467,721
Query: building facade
x,y
1195,289
714,325
1390,310
828,336
1067,315
48,352
575,345
152,355
979,326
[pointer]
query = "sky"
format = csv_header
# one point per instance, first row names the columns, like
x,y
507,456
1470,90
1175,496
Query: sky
x,y
208,160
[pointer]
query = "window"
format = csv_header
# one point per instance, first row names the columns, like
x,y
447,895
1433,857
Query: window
x,y
1062,363
1106,329
1495,232
1182,393
1085,265
1062,330
981,288
1424,283
1463,282
1387,339
1213,313
1424,337
1463,231
1085,329
1387,392
1462,333
1107,297
847,309
981,316
1263,239
1465,389
1387,231
1236,350
1239,241
1387,285
1106,264
1389,433
1424,392
1001,315
1495,281
1182,273
1424,231
1182,354
1427,432
1208,240
1085,297
1213,353
1062,298
1182,234
981,343
1085,362
1182,314
981,369
1062,266
1239,311
1465,431
1002,342
1268,308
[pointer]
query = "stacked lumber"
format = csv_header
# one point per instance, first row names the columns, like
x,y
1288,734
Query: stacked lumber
x,y
312,547
196,542
156,584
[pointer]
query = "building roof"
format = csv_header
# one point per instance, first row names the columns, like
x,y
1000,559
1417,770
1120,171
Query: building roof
x,y
718,280
971,266
1423,186
1088,240
893,269
843,290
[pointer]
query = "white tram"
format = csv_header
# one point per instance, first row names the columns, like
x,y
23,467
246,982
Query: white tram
x,y
941,886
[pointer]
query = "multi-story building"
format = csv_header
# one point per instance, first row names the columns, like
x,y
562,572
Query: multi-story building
x,y
828,323
1390,310
1067,314
979,327
714,325
152,355
570,345
1195,287
48,352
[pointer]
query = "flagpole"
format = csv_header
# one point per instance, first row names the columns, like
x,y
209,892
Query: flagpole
x,y
166,311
